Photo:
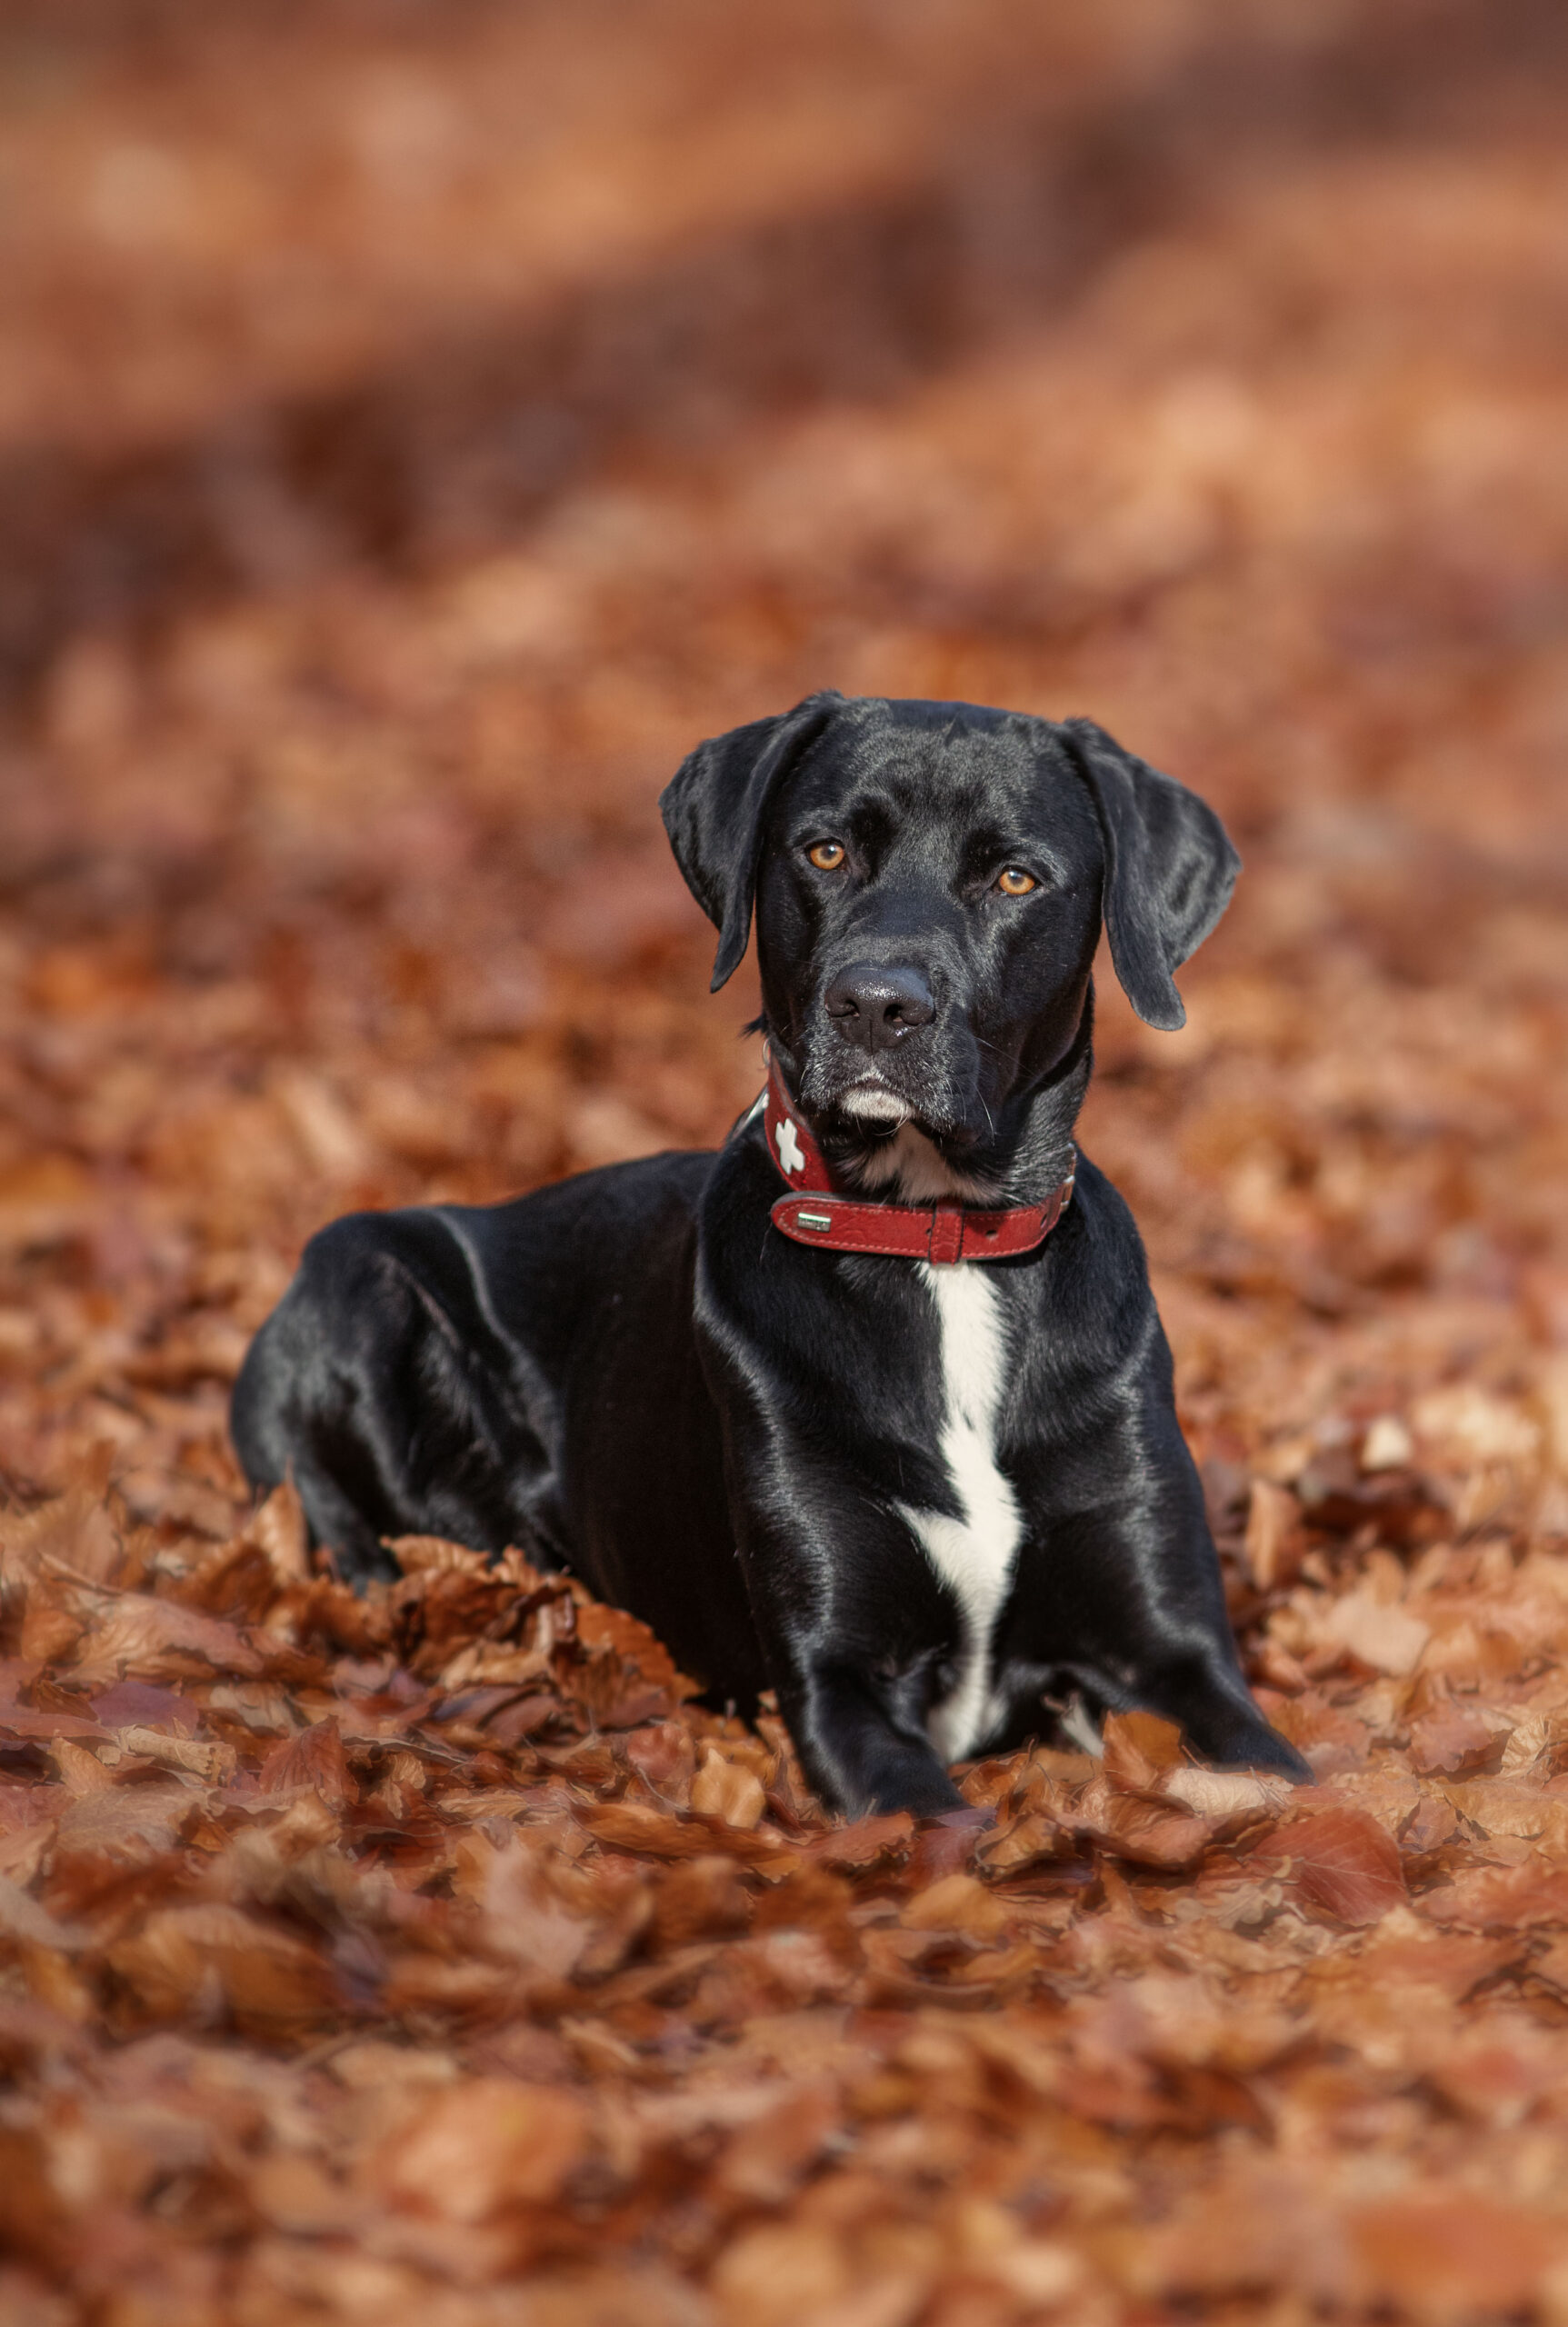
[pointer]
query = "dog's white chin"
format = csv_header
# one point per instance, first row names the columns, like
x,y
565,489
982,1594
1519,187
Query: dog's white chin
x,y
875,1106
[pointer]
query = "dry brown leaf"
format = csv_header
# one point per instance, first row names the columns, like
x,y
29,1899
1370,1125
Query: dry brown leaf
x,y
625,1638
482,2146
634,1826
866,1843
139,1821
698,1897
1140,1748
1394,1962
1274,1516
1148,1833
1223,1795
162,1640
766,2157
957,1903
1509,1806
81,1773
22,1918
278,1526
1501,1899
76,1529
783,2272
433,1556
211,1763
527,1920
1455,1735
1438,2252
725,1790
209,1962
315,1760
1339,1861
1384,1637
1031,1841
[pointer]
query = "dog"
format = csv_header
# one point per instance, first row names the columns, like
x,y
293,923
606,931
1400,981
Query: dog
x,y
872,1407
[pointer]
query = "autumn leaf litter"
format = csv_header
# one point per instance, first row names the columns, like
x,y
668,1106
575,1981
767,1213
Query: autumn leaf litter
x,y
440,1928
435,1955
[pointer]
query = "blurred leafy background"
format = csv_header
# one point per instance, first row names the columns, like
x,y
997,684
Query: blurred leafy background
x,y
418,425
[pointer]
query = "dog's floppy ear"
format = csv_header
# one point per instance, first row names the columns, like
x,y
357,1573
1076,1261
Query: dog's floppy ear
x,y
714,808
1170,869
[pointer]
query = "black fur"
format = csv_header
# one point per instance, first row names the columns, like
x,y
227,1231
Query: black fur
x,y
633,1374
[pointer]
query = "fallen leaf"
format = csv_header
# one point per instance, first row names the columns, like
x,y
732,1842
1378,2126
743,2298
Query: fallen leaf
x,y
1148,1833
727,1791
1455,1735
958,1903
209,1962
1274,1516
314,1760
484,2144
22,1918
1385,1637
769,2156
1500,1898
165,1641
1226,1793
1339,1861
1140,1748
1436,2252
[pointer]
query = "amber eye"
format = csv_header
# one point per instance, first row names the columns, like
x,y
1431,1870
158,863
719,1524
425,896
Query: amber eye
x,y
1015,883
826,856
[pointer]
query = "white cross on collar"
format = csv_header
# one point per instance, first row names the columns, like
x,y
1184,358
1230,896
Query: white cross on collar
x,y
789,1146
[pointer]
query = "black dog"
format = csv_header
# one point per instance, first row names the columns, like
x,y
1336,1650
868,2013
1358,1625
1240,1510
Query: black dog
x,y
921,1502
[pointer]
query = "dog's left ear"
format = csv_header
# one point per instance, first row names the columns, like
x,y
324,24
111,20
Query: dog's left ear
x,y
1170,869
714,809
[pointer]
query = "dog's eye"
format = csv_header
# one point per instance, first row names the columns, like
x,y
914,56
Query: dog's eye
x,y
827,856
1014,882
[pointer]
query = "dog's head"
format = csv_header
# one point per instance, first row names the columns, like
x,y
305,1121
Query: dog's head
x,y
929,880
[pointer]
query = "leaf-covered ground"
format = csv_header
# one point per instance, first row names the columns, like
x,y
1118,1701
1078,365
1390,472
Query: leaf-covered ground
x,y
418,429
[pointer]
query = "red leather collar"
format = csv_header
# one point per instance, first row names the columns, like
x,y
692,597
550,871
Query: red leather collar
x,y
943,1233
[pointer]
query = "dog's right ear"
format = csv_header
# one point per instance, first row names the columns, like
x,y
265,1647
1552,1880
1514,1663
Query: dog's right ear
x,y
714,809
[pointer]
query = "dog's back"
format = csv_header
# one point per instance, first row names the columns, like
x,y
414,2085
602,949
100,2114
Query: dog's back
x,y
422,1374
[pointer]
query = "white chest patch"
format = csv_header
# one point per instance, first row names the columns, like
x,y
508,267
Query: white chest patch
x,y
973,1555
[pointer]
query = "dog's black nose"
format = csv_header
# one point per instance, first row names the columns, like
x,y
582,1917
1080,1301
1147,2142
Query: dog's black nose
x,y
875,1007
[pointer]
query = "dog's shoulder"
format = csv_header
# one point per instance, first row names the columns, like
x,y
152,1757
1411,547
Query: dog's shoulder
x,y
1087,1316
1098,1225
735,1231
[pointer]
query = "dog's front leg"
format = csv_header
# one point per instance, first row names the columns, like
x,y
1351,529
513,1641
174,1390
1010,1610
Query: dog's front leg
x,y
853,1626
820,1383
862,1748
